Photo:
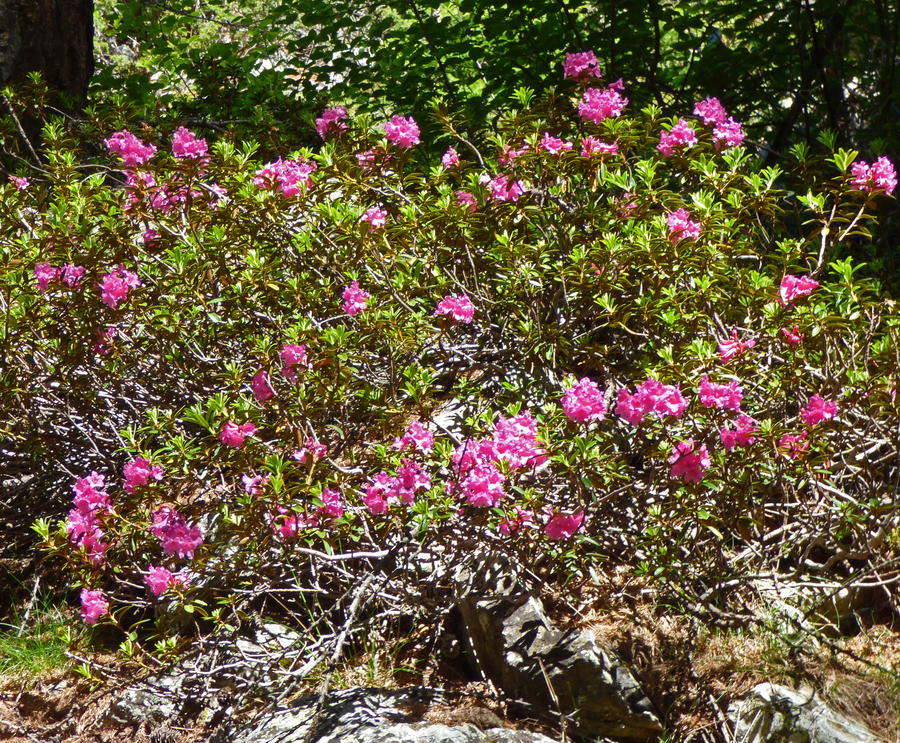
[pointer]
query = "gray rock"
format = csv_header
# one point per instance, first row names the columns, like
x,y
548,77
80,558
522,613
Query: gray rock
x,y
369,716
512,641
777,714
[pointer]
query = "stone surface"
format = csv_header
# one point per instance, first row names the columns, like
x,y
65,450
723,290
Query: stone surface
x,y
369,716
511,640
777,714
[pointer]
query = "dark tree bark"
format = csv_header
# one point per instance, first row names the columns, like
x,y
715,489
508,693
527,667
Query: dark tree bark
x,y
53,37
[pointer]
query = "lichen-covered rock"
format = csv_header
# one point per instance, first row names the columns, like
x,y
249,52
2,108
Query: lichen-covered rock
x,y
777,714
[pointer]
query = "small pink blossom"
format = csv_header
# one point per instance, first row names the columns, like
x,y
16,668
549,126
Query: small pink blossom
x,y
591,146
793,287
21,184
260,386
727,397
254,484
376,216
553,145
460,308
138,472
105,340
598,105
583,402
366,159
450,159
332,122
354,299
509,154
233,435
678,138
710,111
150,238
681,225
132,150
652,397
500,190
115,286
159,580
794,338
524,519
625,206
416,436
185,145
728,134
332,507
291,176
466,200
581,66
817,410
93,605
312,449
285,526
561,526
734,347
293,357
72,275
879,176
689,463
741,435
45,275
792,446
482,486
404,133
175,536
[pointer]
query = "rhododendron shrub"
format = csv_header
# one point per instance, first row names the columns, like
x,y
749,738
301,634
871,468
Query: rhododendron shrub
x,y
557,354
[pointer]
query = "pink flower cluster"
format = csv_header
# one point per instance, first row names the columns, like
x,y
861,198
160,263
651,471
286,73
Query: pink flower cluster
x,y
817,410
139,471
794,287
583,402
293,357
553,145
688,462
261,387
450,159
46,274
735,347
93,605
591,146
741,435
500,190
287,523
132,150
794,338
880,175
792,446
332,122
291,176
581,66
726,131
680,137
562,526
233,435
186,145
460,308
652,397
176,538
354,299
83,526
710,111
21,184
416,436
724,396
385,490
254,484
115,285
104,341
681,225
312,448
159,580
376,216
404,133
466,201
597,105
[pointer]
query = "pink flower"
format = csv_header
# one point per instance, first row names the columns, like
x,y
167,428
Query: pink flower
x,y
817,410
104,344
591,146
410,478
83,526
734,347
741,435
416,436
176,538
516,442
72,275
710,111
255,484
93,605
793,447
688,463
186,145
626,206
233,435
679,137
291,176
466,200
553,145
115,285
332,122
450,159
881,175
150,237
132,150
260,386
285,526
482,486
332,507
793,287
793,338
375,216
402,132
460,308
366,159
563,527
583,402
138,471
293,356
45,275
524,519
501,191
161,579
21,184
598,105
313,449
680,225
509,154
354,299
652,397
581,66
728,134
727,397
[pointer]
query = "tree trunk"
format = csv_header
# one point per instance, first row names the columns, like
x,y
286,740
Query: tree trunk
x,y
53,37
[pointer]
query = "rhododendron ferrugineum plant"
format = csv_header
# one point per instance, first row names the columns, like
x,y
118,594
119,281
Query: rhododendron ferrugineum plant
x,y
555,356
